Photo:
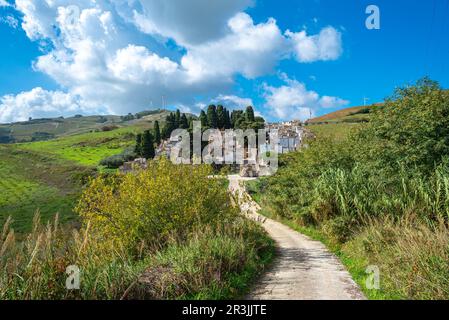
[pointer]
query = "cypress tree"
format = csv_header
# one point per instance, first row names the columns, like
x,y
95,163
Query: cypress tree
x,y
177,119
157,133
221,117
184,123
148,145
169,125
212,117
250,114
138,149
227,124
203,119
236,118
191,124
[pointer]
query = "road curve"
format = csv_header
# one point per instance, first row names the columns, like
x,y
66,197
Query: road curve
x,y
304,269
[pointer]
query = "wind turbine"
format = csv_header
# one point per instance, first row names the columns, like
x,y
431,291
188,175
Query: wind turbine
x,y
365,100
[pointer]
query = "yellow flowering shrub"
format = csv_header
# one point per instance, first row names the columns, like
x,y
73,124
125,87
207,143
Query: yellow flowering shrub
x,y
147,206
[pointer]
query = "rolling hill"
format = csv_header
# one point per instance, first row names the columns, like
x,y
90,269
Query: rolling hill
x,y
348,115
46,129
48,174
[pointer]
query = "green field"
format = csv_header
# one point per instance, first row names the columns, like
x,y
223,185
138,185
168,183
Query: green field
x,y
340,124
85,149
30,181
48,175
337,131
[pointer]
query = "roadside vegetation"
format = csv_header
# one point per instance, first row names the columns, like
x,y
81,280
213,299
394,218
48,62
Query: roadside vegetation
x,y
168,232
378,195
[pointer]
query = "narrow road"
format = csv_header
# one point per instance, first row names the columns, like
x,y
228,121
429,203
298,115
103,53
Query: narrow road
x,y
304,269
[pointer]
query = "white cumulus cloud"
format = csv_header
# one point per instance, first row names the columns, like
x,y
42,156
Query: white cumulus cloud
x,y
106,52
188,22
327,45
233,102
38,103
4,3
294,101
249,49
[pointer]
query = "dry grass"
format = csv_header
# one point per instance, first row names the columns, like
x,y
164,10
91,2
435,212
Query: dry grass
x,y
211,263
413,257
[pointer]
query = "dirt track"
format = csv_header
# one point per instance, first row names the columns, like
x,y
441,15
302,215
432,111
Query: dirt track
x,y
304,269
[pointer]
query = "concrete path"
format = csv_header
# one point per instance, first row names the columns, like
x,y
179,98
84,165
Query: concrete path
x,y
304,269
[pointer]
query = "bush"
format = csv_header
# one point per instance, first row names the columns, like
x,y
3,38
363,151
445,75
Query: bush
x,y
116,161
149,205
410,129
212,264
109,128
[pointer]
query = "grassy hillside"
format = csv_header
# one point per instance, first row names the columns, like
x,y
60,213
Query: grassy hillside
x,y
31,180
46,129
339,124
348,115
85,149
334,131
48,175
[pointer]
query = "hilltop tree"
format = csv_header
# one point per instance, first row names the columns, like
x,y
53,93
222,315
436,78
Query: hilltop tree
x,y
177,119
169,126
128,117
250,114
227,122
157,133
203,119
184,122
236,118
138,148
212,118
221,117
148,145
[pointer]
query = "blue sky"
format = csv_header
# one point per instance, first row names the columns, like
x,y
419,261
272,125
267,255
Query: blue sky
x,y
120,58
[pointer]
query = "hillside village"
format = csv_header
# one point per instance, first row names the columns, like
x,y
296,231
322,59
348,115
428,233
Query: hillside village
x,y
291,137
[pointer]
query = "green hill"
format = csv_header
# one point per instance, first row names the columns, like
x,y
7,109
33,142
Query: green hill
x,y
46,129
337,125
48,175
348,115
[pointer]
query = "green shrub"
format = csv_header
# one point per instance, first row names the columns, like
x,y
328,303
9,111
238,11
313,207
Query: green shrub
x,y
411,129
115,161
148,205
212,264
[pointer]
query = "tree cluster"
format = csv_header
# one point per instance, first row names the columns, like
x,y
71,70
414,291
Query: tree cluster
x,y
146,142
176,120
218,117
